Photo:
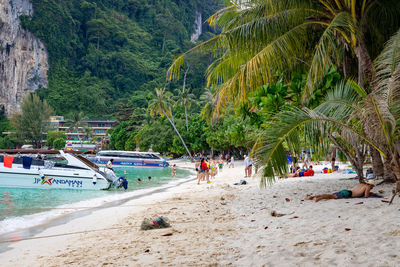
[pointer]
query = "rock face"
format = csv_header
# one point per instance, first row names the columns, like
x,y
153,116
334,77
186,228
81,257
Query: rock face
x,y
23,58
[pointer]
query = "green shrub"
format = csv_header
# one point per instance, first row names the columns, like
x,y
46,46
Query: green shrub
x,y
59,143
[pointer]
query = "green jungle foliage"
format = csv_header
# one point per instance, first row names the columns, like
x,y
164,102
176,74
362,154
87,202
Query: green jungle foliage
x,y
107,56
53,135
32,121
59,143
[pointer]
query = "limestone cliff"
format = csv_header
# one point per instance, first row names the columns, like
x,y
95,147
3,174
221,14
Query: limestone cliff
x,y
23,58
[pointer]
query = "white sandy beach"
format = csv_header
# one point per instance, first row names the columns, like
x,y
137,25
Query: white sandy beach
x,y
220,224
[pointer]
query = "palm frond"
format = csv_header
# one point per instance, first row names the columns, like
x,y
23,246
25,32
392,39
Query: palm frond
x,y
387,82
284,128
327,51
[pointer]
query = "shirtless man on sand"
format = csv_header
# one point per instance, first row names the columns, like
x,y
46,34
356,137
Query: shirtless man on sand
x,y
360,190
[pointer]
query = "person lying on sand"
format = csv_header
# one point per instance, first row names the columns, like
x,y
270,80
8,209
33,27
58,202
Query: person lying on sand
x,y
360,190
300,173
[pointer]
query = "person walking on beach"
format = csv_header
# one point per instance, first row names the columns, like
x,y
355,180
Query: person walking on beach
x,y
247,166
250,167
220,163
197,167
173,171
232,162
306,158
208,169
203,168
333,159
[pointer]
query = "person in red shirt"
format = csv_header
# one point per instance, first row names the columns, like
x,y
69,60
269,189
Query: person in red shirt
x,y
309,172
299,173
203,170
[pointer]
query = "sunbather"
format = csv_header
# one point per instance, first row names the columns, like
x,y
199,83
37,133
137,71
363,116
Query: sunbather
x,y
363,189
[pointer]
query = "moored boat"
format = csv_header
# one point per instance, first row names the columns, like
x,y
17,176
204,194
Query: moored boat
x,y
73,172
130,158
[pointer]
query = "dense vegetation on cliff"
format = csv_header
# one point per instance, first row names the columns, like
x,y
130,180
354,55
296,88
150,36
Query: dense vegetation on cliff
x,y
109,55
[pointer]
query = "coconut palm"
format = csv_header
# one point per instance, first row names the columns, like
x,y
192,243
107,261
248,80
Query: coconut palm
x,y
373,117
88,132
209,102
259,38
76,122
161,105
186,99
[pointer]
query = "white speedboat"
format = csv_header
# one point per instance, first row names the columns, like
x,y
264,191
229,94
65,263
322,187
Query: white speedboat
x,y
130,158
74,172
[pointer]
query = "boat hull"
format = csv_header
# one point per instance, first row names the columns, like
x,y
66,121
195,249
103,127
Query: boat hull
x,y
130,163
49,179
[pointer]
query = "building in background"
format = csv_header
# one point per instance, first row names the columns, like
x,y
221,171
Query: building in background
x,y
97,130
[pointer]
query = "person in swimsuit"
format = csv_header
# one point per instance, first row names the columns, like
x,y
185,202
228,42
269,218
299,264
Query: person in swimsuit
x,y
197,167
363,189
333,159
173,171
203,169
220,163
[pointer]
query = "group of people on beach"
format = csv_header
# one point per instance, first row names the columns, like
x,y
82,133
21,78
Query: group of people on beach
x,y
207,167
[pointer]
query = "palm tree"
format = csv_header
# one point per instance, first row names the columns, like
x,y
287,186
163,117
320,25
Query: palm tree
x,y
161,105
373,117
76,122
88,132
186,99
262,37
208,100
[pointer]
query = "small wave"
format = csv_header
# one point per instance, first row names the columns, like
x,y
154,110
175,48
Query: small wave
x,y
12,224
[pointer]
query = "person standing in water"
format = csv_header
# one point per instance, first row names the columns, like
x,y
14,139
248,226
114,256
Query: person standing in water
x,y
173,171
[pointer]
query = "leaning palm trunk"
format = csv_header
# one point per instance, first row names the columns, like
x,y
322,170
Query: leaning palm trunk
x,y
177,132
186,118
357,161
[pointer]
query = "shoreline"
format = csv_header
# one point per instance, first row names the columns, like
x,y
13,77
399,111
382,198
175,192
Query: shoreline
x,y
222,224
63,213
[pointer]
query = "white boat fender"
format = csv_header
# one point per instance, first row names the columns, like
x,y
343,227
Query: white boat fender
x,y
94,179
41,174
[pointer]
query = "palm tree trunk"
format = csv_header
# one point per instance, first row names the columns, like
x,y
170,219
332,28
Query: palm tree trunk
x,y
388,176
177,132
183,91
365,66
357,163
186,118
377,164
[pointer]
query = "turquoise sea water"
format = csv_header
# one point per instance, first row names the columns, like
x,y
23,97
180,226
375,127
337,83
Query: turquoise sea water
x,y
15,202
